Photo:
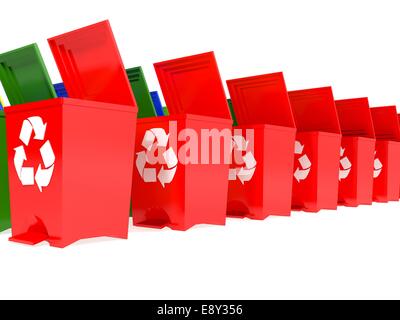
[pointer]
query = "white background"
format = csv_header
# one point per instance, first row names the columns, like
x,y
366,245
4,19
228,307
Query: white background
x,y
351,253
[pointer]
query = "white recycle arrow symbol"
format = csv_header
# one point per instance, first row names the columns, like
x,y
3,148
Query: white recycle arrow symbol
x,y
298,147
303,171
32,124
27,175
151,135
346,165
166,174
246,173
378,166
43,176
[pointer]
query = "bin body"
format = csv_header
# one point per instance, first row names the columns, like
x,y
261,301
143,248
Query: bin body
x,y
4,190
356,186
89,191
269,191
387,175
198,192
315,185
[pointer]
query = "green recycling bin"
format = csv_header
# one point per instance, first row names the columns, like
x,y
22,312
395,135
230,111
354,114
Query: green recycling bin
x,y
5,222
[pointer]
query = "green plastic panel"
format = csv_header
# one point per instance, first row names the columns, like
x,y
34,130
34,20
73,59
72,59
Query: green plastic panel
x,y
4,190
141,92
165,110
232,113
24,76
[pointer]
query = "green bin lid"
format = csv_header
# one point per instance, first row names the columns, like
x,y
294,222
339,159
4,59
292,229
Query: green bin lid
x,y
24,76
141,91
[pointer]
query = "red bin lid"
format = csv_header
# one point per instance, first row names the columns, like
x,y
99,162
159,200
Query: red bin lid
x,y
315,110
386,123
355,117
193,85
91,66
261,99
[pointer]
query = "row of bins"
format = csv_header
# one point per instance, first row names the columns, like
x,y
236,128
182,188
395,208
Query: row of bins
x,y
74,166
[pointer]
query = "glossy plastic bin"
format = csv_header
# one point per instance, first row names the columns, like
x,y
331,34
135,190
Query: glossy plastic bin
x,y
387,157
5,222
357,152
173,191
317,150
261,174
70,160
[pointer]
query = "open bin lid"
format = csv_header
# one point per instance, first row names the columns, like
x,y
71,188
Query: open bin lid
x,y
91,66
24,76
315,110
261,99
60,90
355,117
141,92
386,123
193,85
157,103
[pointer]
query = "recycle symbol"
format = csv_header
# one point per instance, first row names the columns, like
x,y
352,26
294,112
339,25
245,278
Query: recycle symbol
x,y
378,166
345,165
157,138
27,175
244,173
303,171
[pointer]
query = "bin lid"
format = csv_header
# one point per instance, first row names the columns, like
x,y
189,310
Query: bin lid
x,y
315,110
355,117
193,85
91,66
261,99
24,76
141,92
233,115
386,123
60,90
157,103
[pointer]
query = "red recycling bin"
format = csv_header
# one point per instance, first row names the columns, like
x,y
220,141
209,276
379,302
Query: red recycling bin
x,y
387,157
357,152
261,172
70,160
317,150
180,177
